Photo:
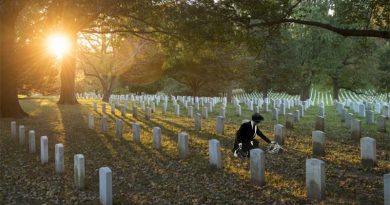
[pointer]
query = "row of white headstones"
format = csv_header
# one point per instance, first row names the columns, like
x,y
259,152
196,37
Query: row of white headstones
x,y
154,100
355,124
367,144
370,95
347,98
241,97
315,167
279,107
105,173
318,97
207,105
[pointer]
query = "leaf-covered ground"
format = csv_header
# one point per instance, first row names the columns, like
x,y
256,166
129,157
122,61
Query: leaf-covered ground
x,y
143,175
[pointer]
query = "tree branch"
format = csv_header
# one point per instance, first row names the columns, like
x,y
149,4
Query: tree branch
x,y
92,65
135,33
89,74
342,31
295,5
112,79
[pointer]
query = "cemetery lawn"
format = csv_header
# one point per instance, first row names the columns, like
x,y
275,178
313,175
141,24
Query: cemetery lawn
x,y
144,175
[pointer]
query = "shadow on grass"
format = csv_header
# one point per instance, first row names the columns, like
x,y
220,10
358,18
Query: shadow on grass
x,y
143,153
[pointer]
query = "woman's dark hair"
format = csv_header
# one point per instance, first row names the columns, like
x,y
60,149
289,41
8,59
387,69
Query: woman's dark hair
x,y
256,117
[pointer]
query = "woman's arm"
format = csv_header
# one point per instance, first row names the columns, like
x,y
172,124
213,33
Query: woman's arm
x,y
258,132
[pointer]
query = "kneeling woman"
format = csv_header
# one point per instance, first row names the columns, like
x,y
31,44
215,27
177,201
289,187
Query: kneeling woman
x,y
245,136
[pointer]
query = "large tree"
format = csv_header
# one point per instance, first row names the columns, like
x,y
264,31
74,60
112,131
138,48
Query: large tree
x,y
133,17
196,22
9,64
111,57
283,60
209,69
342,58
38,70
70,17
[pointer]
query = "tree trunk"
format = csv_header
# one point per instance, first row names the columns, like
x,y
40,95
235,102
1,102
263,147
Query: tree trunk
x,y
1,56
305,92
265,93
10,106
230,92
195,87
195,90
229,95
106,95
107,85
68,75
336,88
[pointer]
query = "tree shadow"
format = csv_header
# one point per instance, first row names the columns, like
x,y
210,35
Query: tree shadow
x,y
142,150
142,174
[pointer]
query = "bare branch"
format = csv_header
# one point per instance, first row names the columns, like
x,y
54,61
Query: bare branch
x,y
92,65
96,49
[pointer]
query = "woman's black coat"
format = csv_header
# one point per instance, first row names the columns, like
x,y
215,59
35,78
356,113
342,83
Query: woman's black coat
x,y
246,134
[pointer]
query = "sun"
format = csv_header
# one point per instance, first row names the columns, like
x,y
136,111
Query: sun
x,y
58,44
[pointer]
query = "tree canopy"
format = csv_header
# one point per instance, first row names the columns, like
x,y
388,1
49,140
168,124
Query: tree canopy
x,y
211,47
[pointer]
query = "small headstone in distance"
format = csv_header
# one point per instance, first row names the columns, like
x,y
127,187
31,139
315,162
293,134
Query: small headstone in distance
x,y
198,119
356,129
381,123
22,134
135,113
31,140
136,129
157,137
220,125
370,117
290,121
320,123
13,129
318,138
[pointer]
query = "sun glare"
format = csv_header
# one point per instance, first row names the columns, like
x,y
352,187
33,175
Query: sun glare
x,y
59,45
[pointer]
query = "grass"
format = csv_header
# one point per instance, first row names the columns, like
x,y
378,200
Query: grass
x,y
143,175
